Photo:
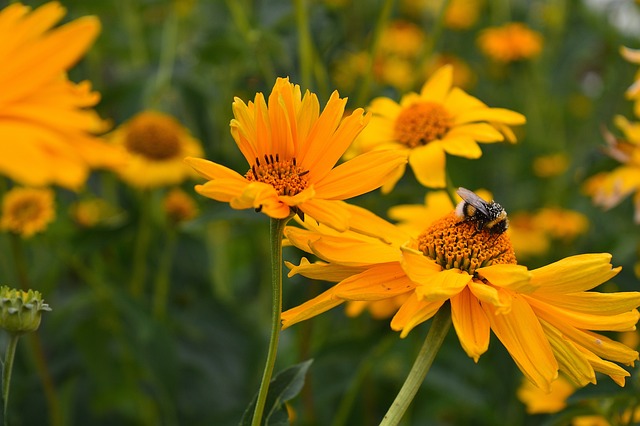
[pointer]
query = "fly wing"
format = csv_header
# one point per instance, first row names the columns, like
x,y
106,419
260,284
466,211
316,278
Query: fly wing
x,y
473,199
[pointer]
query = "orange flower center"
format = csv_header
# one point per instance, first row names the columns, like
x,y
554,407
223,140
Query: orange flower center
x,y
155,138
284,175
456,244
421,123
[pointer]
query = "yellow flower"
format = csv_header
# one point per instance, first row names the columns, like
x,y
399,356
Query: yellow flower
x,y
546,166
561,224
440,120
511,42
538,401
179,206
527,239
92,212
401,38
633,92
157,145
462,14
544,317
608,189
47,125
292,149
26,211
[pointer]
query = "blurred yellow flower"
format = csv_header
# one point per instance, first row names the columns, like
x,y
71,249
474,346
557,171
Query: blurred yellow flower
x,y
543,317
511,42
47,125
538,401
292,149
92,212
633,92
546,166
27,211
527,239
561,224
463,76
157,145
608,189
402,38
179,206
460,14
440,120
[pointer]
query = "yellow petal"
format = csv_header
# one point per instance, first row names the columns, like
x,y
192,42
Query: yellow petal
x,y
367,223
462,146
631,55
514,277
385,107
471,324
332,213
442,285
321,270
521,334
612,370
438,85
501,299
593,302
574,274
310,309
428,164
481,132
211,170
354,252
412,313
379,282
498,115
362,174
418,267
571,360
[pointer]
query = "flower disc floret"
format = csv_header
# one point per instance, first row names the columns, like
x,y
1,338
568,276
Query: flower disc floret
x,y
421,123
455,244
286,177
152,138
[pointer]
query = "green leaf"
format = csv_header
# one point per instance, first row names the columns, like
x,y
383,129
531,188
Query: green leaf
x,y
283,387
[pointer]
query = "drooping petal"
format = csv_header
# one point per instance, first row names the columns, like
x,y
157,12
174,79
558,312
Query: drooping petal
x,y
521,334
362,174
412,313
310,309
471,324
379,282
321,271
514,277
223,190
574,274
443,285
617,373
332,213
500,299
594,302
428,164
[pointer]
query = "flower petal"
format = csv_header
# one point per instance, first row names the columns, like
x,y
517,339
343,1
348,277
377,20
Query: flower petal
x,y
521,334
443,285
471,324
438,85
412,313
321,270
514,277
353,252
574,274
211,170
332,213
481,132
310,308
428,164
498,115
462,146
223,190
359,175
382,281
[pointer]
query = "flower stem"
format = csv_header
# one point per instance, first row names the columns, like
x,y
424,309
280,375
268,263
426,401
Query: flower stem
x,y
305,47
162,281
143,237
276,231
420,368
6,373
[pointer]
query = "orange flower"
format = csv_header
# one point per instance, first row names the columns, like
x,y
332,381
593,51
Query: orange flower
x,y
46,125
292,148
510,42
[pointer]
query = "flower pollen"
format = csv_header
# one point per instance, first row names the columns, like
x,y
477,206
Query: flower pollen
x,y
422,122
284,175
153,137
455,244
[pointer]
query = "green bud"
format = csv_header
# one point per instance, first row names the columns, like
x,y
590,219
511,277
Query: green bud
x,y
20,311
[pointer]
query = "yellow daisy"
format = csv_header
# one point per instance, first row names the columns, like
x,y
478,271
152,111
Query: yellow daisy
x,y
608,189
27,211
47,126
179,206
157,145
424,127
538,401
511,42
544,317
633,92
292,148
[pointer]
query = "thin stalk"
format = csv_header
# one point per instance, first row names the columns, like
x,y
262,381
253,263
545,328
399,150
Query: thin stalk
x,y
276,232
138,50
167,57
420,368
305,47
6,373
162,281
35,344
143,238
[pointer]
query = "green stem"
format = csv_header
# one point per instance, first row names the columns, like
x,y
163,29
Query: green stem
x,y
420,368
383,19
139,272
19,259
276,232
139,56
305,47
162,281
6,373
167,57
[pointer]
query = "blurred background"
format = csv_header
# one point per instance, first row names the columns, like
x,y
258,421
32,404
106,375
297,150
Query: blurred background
x,y
185,344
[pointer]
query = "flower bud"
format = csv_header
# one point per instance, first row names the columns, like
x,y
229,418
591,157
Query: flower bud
x,y
20,311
